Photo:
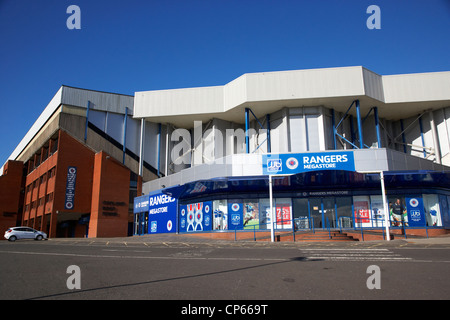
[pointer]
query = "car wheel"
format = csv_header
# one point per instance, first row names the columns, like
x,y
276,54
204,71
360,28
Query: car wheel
x,y
12,238
39,237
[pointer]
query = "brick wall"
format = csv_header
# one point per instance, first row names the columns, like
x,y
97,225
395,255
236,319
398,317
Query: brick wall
x,y
110,198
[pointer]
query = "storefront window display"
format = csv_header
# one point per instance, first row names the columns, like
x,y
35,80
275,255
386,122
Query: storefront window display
x,y
432,210
367,211
377,211
220,215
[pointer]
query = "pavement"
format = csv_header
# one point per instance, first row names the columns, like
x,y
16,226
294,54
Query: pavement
x,y
181,267
443,240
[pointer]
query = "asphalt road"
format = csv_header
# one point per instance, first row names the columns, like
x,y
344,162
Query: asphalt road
x,y
196,271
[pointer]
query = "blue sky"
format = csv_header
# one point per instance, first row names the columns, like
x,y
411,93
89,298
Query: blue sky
x,y
137,45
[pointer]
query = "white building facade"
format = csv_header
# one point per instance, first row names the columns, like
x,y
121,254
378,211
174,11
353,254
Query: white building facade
x,y
206,144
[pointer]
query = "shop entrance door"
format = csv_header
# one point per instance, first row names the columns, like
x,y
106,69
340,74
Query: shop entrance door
x,y
323,212
315,209
329,212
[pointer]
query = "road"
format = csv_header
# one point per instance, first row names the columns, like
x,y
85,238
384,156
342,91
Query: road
x,y
231,271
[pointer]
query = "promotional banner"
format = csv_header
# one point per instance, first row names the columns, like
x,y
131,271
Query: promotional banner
x,y
292,163
195,217
162,212
414,208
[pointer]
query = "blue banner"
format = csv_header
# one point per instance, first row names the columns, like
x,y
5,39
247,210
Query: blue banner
x,y
235,215
161,210
415,211
292,163
70,188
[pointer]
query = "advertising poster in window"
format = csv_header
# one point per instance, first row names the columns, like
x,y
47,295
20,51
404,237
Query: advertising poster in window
x,y
362,212
251,215
283,213
195,217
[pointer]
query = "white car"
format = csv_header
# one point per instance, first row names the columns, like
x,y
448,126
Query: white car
x,y
15,233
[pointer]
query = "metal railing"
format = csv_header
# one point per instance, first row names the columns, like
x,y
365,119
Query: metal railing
x,y
364,225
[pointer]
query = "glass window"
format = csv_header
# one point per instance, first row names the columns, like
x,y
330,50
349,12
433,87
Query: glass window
x,y
301,213
377,211
264,214
344,212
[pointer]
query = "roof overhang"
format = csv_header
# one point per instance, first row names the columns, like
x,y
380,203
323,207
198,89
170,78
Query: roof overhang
x,y
396,96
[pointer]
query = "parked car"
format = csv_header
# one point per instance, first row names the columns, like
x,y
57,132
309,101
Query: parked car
x,y
15,233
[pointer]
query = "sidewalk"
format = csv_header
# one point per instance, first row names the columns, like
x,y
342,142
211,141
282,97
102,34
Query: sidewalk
x,y
445,239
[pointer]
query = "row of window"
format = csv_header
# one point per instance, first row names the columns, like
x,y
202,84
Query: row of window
x,y
412,210
41,180
35,186
40,202
43,154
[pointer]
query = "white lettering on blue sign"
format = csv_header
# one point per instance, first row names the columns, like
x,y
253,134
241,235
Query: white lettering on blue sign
x,y
274,165
304,162
160,199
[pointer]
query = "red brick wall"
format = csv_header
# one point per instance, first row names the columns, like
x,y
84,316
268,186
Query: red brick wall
x,y
101,189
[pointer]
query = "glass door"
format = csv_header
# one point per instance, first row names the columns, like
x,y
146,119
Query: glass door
x,y
315,208
329,212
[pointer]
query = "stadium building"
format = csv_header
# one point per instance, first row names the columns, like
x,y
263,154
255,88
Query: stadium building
x,y
333,148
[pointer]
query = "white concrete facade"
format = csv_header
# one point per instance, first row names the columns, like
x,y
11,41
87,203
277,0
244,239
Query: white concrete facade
x,y
413,119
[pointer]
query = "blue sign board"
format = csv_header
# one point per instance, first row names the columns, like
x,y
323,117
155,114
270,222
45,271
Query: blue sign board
x,y
292,163
162,213
70,188
161,210
141,204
